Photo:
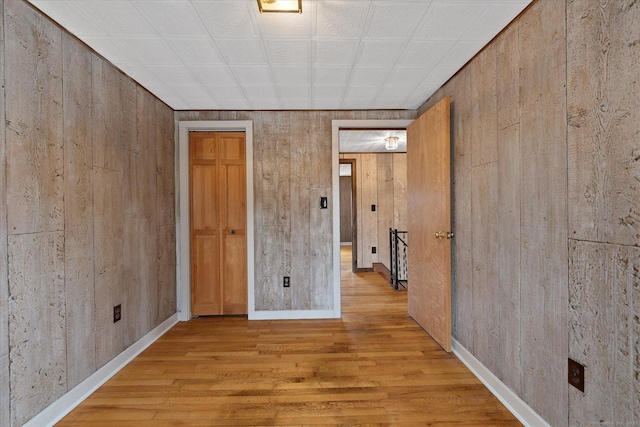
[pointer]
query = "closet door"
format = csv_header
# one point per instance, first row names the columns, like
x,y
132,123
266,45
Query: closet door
x,y
218,223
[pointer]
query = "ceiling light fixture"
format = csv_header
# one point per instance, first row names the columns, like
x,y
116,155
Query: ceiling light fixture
x,y
286,6
391,143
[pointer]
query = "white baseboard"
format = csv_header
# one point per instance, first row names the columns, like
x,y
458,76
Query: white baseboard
x,y
292,314
514,404
61,407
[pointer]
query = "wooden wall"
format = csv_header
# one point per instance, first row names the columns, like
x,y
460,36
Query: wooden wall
x,y
545,125
87,208
603,110
292,170
381,180
346,217
5,413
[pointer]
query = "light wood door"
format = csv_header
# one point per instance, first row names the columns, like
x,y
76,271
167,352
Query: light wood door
x,y
218,223
429,209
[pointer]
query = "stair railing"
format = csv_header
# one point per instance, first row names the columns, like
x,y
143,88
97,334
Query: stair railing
x,y
399,264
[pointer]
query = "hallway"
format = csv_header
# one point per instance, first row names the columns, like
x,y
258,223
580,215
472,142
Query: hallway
x,y
372,367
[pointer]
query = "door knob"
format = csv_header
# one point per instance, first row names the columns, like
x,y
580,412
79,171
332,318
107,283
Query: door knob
x,y
442,235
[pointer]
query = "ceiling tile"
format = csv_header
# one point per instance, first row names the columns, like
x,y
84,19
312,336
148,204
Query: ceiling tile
x,y
414,102
266,104
148,50
163,93
437,25
295,92
260,92
494,19
330,92
362,92
116,17
112,51
289,52
285,25
369,76
327,104
229,19
65,13
407,76
246,51
195,51
395,19
426,52
252,74
357,104
195,93
395,92
437,77
380,52
341,18
292,74
324,75
171,18
299,104
461,52
174,75
176,103
226,92
391,104
236,104
141,73
334,52
214,75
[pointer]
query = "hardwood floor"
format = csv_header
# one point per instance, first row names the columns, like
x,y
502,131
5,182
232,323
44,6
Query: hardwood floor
x,y
374,367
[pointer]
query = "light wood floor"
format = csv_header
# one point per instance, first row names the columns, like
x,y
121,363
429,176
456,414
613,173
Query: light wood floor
x,y
372,367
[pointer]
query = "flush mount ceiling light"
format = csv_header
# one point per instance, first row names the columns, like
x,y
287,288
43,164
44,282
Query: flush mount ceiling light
x,y
286,6
391,143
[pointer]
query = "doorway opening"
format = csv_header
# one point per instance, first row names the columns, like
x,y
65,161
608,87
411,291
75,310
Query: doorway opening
x,y
368,208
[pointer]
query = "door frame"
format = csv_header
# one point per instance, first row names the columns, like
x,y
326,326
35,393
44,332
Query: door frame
x,y
183,245
336,125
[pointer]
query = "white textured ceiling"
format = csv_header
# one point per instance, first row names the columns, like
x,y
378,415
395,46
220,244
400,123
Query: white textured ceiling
x,y
370,141
337,54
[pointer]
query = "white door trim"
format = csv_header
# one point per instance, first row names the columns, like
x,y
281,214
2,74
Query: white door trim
x,y
183,252
335,160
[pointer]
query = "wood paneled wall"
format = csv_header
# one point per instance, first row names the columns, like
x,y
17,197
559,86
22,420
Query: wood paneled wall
x,y
292,170
545,124
88,213
5,397
381,180
603,97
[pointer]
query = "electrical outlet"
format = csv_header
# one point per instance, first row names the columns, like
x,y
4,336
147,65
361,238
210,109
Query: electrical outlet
x,y
576,375
374,250
373,208
286,282
117,313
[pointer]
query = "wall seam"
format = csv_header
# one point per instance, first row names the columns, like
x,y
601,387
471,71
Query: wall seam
x,y
566,148
4,219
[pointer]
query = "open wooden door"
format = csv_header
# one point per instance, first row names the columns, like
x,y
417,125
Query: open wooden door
x,y
429,222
